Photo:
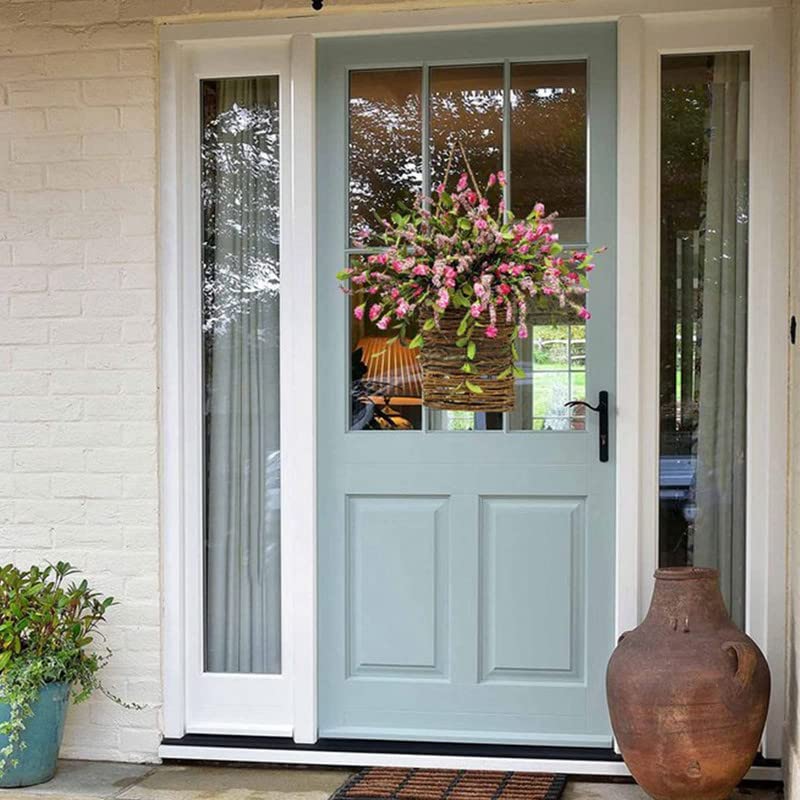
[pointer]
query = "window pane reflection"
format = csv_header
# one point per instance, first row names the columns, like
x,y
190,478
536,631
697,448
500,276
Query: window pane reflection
x,y
466,104
704,231
385,143
553,358
548,143
241,347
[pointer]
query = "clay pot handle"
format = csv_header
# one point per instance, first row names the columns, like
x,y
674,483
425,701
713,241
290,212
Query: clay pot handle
x,y
746,661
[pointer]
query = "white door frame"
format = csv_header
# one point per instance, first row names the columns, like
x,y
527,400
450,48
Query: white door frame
x,y
644,32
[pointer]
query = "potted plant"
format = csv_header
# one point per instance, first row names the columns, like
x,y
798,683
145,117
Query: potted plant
x,y
458,277
48,624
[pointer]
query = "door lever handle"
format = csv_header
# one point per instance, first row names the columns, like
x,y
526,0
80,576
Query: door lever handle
x,y
602,409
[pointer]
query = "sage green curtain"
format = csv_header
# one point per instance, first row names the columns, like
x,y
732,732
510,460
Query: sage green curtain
x,y
241,291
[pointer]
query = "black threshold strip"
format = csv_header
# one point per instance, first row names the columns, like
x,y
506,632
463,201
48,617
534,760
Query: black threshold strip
x,y
463,749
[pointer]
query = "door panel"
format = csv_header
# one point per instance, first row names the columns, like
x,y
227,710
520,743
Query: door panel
x,y
466,561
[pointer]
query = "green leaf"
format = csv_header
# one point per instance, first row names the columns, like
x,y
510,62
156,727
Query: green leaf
x,y
429,324
473,387
518,373
416,342
471,348
468,368
5,657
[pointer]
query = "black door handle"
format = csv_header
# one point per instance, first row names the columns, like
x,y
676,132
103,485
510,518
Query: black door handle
x,y
602,409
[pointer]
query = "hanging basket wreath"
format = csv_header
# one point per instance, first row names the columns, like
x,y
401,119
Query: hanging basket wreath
x,y
458,278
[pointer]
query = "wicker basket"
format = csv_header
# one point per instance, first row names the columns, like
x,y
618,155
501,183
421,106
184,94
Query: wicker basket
x,y
443,381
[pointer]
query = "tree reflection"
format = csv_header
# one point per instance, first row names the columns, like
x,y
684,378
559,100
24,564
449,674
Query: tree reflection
x,y
239,191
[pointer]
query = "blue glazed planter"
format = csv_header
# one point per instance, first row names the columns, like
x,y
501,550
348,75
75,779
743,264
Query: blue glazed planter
x,y
42,737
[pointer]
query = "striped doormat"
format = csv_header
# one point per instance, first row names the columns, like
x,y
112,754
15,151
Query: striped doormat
x,y
399,783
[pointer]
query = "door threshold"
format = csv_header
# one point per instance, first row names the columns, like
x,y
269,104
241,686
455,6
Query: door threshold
x,y
596,761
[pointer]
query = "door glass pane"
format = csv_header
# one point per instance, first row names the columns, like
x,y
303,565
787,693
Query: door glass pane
x,y
465,109
548,143
385,149
241,287
705,106
553,358
466,106
385,169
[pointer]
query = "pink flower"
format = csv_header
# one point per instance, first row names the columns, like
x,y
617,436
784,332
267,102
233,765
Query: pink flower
x,y
491,331
501,178
443,299
472,197
481,224
539,209
492,179
402,308
584,314
374,311
475,310
358,312
395,293
462,182
504,288
522,332
479,288
420,269
440,189
383,322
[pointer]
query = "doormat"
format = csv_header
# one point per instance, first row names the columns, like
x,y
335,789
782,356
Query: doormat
x,y
399,783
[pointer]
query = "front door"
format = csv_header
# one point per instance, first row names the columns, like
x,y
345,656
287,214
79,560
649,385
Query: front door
x,y
466,560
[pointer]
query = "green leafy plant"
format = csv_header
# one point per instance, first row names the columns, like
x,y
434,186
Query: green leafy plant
x,y
48,624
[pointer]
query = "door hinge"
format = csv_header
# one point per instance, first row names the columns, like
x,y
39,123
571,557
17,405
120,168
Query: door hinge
x,y
793,329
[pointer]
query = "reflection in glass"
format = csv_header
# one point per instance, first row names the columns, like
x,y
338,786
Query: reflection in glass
x,y
548,143
385,143
704,231
554,360
386,379
548,162
466,104
241,289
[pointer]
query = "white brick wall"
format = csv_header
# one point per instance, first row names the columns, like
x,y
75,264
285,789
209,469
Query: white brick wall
x,y
78,419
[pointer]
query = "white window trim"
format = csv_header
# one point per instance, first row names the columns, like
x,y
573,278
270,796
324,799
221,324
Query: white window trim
x,y
644,32
197,701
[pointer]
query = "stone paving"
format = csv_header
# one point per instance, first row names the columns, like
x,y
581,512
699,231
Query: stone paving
x,y
96,780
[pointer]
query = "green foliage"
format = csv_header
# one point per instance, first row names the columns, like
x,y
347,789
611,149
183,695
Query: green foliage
x,y
47,624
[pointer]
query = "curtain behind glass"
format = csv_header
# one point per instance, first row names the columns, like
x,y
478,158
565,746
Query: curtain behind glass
x,y
720,526
240,203
703,305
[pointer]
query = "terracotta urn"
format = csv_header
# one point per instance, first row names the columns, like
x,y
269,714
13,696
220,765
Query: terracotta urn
x,y
687,692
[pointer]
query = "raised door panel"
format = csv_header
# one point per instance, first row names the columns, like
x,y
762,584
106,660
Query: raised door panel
x,y
397,592
531,587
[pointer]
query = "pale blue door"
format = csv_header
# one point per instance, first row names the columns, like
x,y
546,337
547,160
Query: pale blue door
x,y
466,561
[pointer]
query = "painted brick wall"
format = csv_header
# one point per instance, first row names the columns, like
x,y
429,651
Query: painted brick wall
x,y
78,357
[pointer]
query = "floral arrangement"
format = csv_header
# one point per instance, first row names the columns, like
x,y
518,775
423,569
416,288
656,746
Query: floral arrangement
x,y
456,254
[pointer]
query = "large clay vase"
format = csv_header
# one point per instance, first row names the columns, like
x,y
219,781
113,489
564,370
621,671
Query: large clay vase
x,y
687,692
